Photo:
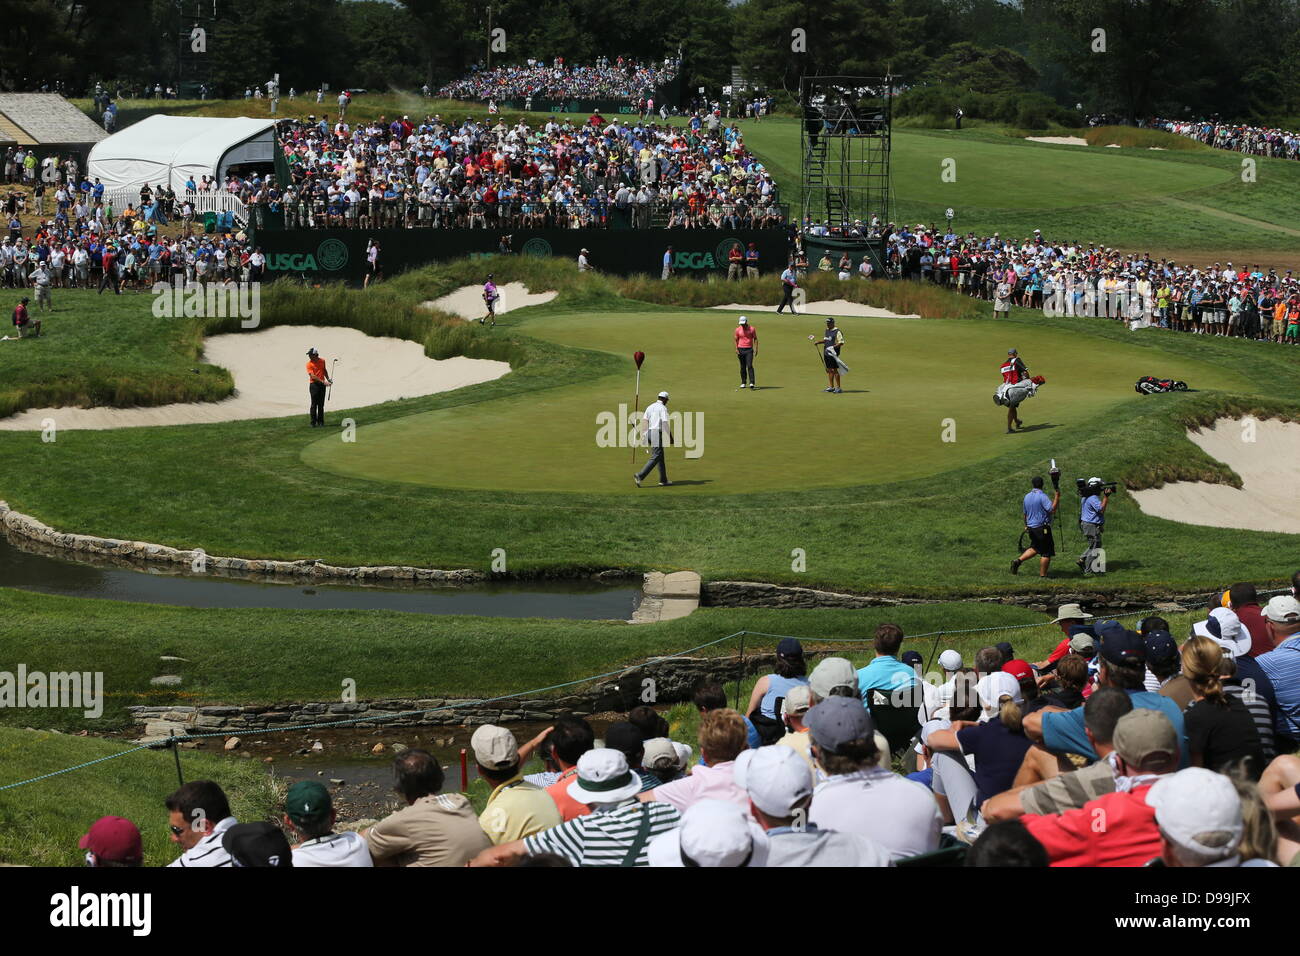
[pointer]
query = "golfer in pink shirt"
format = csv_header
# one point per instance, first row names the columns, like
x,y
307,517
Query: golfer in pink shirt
x,y
746,347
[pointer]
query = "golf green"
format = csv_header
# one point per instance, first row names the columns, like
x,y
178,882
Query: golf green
x,y
917,401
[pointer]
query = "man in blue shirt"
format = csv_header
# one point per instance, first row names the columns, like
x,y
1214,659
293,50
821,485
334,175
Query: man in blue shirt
x,y
1122,657
886,673
1038,510
1092,519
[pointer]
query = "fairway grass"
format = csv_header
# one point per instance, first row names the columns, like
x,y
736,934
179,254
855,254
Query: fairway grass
x,y
918,402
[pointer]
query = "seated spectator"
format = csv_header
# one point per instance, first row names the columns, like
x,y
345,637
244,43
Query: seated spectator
x,y
515,808
859,796
433,829
199,817
1027,679
1072,620
661,761
1071,678
649,721
625,736
1279,788
832,677
1243,599
1070,788
886,673
714,833
1006,844
309,813
1200,819
1220,730
797,703
780,788
764,710
569,739
722,738
709,697
1282,667
258,844
1122,663
617,831
1146,748
1164,669
113,842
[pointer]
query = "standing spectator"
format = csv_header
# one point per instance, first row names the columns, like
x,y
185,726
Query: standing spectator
x,y
199,816
789,282
751,261
433,829
515,808
617,831
309,813
735,262
668,263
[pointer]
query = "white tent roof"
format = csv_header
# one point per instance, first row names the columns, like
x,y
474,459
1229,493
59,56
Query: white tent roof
x,y
170,149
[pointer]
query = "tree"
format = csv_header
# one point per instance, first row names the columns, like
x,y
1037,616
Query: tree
x,y
968,67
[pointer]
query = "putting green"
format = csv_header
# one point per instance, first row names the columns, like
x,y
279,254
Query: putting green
x,y
918,401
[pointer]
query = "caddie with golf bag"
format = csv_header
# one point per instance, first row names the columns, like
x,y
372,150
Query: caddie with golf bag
x,y
1015,388
1095,495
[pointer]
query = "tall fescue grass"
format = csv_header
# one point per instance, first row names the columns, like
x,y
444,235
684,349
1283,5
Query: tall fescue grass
x,y
1132,136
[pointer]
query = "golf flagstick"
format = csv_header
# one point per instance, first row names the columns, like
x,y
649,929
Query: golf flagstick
x,y
637,357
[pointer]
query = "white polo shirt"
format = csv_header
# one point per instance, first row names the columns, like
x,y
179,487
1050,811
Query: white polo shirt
x,y
656,418
208,851
336,849
899,814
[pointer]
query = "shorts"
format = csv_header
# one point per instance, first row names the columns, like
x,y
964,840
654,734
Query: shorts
x,y
1040,539
831,364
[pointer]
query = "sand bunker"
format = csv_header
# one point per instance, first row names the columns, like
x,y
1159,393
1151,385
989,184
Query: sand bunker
x,y
467,301
1059,140
824,307
1266,501
269,368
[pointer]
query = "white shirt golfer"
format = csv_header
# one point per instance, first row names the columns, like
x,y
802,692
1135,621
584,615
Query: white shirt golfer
x,y
656,424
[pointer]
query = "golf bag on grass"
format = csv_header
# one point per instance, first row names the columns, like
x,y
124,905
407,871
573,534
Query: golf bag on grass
x,y
1150,385
1013,395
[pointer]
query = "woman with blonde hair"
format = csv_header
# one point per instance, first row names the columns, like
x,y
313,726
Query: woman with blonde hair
x,y
1220,730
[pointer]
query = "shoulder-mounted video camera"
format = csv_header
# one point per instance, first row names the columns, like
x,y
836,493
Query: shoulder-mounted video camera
x,y
1094,486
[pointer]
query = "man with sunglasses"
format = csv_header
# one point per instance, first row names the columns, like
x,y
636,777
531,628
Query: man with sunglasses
x,y
199,816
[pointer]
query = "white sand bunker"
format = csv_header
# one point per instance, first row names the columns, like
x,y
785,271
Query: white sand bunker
x,y
467,301
824,307
1268,465
1059,140
269,368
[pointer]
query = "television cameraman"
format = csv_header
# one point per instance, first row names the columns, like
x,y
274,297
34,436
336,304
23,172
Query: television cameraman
x,y
1038,511
1092,519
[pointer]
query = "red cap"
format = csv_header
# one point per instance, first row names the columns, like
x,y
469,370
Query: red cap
x,y
1018,669
115,839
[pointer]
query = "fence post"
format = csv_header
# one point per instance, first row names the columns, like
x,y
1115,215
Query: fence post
x,y
464,772
741,675
176,752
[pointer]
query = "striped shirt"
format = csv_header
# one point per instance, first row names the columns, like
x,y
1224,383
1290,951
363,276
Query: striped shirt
x,y
604,836
208,851
1262,715
1282,667
1069,791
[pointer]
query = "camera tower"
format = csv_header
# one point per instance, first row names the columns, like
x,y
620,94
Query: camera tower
x,y
193,67
845,143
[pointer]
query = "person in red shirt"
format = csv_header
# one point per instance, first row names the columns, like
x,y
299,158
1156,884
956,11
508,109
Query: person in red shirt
x,y
23,322
1117,829
317,380
1244,601
1070,618
567,740
746,337
1013,369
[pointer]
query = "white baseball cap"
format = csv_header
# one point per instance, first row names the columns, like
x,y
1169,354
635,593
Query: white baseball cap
x,y
1198,809
744,321
777,779
663,394
684,754
993,687
831,673
494,747
714,833
798,701
1282,609
950,660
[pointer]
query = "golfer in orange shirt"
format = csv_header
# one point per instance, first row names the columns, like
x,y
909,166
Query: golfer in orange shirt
x,y
317,381
746,348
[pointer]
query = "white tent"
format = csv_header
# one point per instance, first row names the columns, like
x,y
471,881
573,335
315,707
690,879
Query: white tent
x,y
170,149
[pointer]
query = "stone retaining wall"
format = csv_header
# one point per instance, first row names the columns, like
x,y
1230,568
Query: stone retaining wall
x,y
675,679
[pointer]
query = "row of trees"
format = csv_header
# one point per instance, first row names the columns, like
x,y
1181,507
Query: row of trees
x,y
1126,57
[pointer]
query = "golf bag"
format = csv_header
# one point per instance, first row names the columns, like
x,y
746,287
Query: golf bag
x,y
1150,385
1012,395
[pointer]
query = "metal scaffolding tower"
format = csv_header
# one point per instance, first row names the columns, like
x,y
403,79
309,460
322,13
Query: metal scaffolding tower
x,y
845,143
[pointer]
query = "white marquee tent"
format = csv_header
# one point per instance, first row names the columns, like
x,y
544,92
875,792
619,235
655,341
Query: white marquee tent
x,y
170,149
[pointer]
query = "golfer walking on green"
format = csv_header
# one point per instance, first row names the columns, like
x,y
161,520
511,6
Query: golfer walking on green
x,y
655,427
746,337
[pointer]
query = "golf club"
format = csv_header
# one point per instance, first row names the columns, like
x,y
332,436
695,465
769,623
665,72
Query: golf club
x,y
330,391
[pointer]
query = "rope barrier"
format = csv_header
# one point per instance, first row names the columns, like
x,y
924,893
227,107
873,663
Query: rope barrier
x,y
171,742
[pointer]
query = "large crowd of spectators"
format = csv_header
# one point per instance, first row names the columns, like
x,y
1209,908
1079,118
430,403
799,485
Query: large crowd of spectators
x,y
1073,278
1238,137
606,79
492,175
1187,750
